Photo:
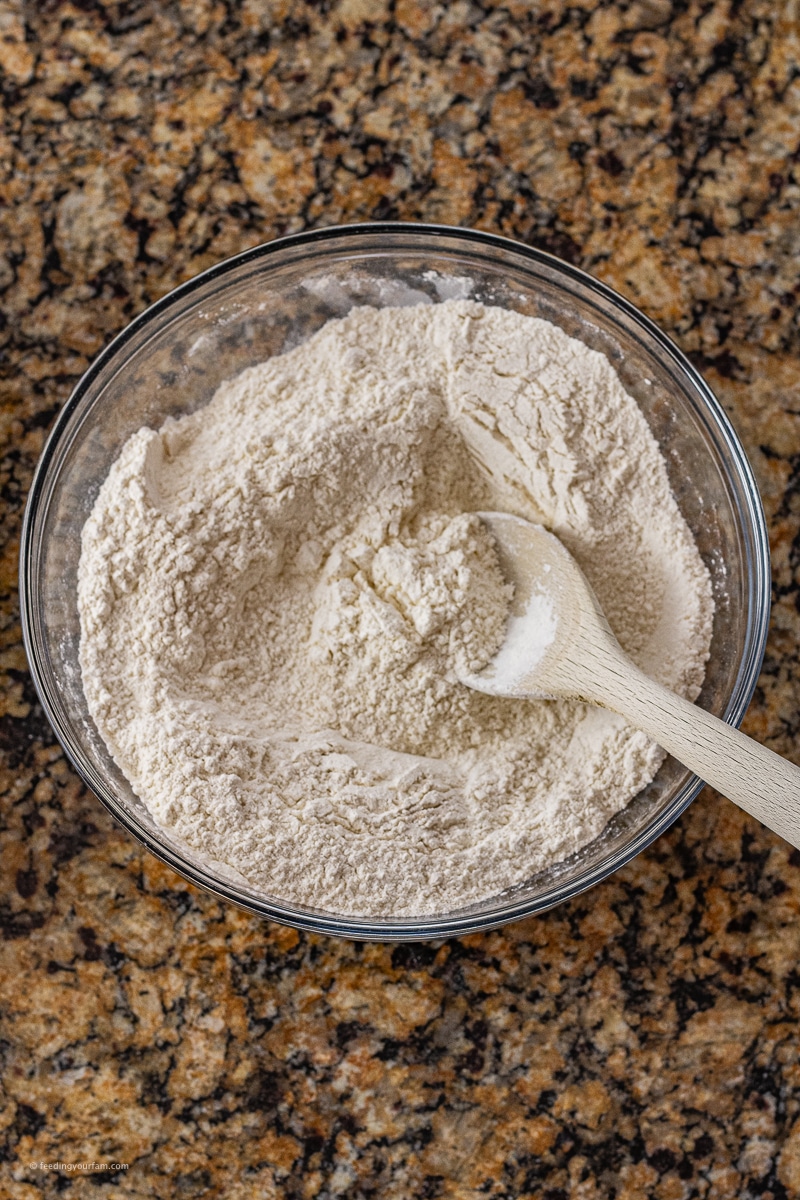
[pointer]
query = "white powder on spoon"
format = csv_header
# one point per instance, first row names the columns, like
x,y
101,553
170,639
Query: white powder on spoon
x,y
277,593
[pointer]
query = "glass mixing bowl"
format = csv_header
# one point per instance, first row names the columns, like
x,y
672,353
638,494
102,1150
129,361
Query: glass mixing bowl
x,y
170,361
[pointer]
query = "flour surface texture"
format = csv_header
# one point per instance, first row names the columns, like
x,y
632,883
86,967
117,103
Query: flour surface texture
x,y
277,594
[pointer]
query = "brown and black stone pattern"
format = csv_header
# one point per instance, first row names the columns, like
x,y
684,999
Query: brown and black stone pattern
x,y
639,1043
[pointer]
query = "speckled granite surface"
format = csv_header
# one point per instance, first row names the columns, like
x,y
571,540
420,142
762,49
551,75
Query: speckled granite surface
x,y
640,1042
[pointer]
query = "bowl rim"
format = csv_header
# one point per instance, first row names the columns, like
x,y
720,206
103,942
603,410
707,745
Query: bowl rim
x,y
451,924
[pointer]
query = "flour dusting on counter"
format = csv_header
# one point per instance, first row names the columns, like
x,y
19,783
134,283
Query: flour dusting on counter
x,y
278,593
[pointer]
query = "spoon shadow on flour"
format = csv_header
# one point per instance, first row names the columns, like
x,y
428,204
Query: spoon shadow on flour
x,y
558,643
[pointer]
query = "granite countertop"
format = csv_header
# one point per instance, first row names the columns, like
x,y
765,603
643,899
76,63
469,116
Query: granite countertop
x,y
640,1042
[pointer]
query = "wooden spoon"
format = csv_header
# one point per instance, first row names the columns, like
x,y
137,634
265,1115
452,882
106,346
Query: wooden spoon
x,y
558,643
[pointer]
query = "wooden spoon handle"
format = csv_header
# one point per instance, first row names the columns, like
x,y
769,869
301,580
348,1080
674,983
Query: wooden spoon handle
x,y
759,781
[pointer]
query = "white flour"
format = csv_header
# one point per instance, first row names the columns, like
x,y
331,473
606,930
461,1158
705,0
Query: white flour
x,y
276,594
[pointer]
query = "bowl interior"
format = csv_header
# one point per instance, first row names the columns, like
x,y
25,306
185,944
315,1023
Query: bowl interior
x,y
171,360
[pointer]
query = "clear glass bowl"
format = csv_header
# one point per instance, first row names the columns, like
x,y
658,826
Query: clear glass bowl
x,y
170,361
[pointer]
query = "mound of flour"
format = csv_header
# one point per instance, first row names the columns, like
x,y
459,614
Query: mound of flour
x,y
277,592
